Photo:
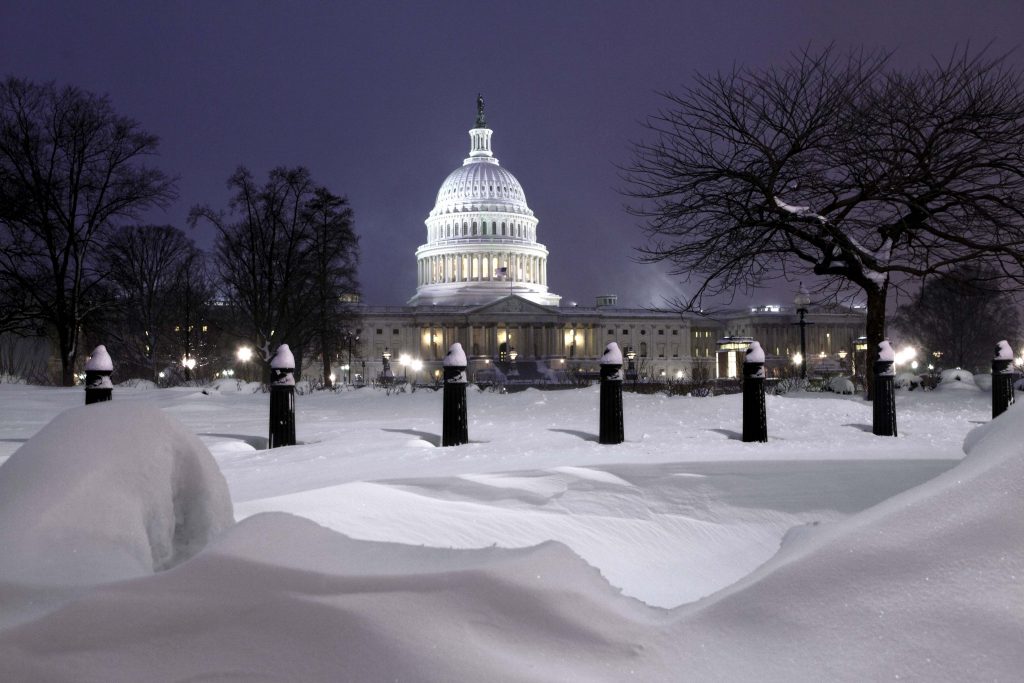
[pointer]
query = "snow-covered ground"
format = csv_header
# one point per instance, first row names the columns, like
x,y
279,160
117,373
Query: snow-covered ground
x,y
532,553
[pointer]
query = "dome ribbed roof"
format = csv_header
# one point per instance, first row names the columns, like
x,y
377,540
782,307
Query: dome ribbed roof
x,y
478,184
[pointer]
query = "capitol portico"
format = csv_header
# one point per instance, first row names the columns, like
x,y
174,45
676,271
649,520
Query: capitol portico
x,y
481,280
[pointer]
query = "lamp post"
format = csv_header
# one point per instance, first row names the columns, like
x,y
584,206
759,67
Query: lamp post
x,y
405,359
189,364
631,367
802,301
350,337
513,370
385,374
244,355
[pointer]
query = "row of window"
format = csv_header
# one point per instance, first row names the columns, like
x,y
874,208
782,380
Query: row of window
x,y
471,229
675,333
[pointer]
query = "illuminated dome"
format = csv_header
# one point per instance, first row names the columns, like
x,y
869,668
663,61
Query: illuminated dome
x,y
481,235
479,183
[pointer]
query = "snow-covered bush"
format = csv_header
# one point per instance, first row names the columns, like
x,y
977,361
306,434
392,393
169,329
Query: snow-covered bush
x,y
908,381
107,492
957,380
137,383
841,385
984,382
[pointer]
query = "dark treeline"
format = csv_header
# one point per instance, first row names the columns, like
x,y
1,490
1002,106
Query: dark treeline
x,y
78,268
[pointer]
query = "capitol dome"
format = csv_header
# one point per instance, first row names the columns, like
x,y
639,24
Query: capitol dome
x,y
481,235
481,184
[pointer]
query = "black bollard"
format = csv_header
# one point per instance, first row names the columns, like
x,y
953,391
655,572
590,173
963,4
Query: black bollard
x,y
1002,379
611,431
454,420
884,407
282,398
755,418
98,387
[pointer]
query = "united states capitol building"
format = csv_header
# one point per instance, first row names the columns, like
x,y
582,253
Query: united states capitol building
x,y
482,281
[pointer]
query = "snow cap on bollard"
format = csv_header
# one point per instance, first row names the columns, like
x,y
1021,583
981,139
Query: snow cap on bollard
x,y
753,361
282,365
1003,351
99,360
283,359
456,357
612,355
886,355
755,354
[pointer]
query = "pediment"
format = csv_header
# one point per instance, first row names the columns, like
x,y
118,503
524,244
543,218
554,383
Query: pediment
x,y
514,304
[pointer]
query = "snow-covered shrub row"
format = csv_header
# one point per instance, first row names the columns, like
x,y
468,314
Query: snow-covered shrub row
x,y
908,381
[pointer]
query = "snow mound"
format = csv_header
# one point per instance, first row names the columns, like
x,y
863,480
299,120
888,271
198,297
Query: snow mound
x,y
234,386
930,585
957,380
138,383
984,382
841,385
107,492
315,605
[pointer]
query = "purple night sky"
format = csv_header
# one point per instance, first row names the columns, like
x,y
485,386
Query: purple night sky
x,y
375,98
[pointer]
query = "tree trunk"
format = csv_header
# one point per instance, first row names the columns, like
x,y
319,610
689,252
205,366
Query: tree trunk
x,y
67,357
875,331
326,354
297,352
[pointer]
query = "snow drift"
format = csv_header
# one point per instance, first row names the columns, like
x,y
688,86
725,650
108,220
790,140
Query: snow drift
x,y
925,585
107,492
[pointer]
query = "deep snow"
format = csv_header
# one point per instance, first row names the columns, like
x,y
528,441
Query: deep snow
x,y
926,583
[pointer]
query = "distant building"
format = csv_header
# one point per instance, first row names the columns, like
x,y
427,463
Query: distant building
x,y
482,281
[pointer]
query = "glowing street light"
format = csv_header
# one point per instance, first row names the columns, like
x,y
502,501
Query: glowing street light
x,y
244,355
801,301
906,355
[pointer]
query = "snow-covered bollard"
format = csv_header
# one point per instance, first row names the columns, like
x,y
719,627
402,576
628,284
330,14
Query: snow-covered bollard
x,y
755,418
282,398
454,420
611,430
98,387
884,408
1002,379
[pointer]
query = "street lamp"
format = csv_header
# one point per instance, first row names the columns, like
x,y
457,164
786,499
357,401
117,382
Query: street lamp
x,y
190,364
802,301
513,370
350,337
385,374
405,359
244,355
417,365
631,367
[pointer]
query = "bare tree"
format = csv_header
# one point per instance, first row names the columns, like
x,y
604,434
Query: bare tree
x,y
70,168
335,248
149,271
281,272
957,318
836,166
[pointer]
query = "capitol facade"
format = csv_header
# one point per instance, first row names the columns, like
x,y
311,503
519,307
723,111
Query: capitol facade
x,y
482,281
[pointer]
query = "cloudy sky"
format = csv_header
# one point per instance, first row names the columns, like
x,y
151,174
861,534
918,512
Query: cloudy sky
x,y
375,98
